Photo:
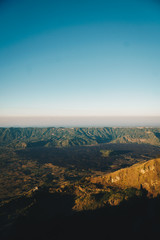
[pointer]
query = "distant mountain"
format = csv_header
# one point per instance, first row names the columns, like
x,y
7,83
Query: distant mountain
x,y
66,137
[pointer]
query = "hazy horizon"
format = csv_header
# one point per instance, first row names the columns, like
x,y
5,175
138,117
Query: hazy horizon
x,y
79,121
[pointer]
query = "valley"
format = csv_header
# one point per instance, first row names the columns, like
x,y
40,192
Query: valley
x,y
52,176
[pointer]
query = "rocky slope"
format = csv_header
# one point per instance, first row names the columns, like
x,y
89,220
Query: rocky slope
x,y
142,179
146,175
125,188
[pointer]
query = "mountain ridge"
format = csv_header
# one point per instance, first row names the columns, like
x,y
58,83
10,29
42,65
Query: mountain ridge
x,y
66,137
146,175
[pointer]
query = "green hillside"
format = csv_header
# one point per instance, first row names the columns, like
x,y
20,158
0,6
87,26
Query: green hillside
x,y
66,137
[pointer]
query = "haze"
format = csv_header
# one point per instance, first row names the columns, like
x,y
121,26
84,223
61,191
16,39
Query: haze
x,y
80,121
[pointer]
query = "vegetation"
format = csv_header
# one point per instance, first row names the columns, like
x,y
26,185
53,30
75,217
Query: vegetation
x,y
54,176
146,175
43,214
65,137
24,169
106,153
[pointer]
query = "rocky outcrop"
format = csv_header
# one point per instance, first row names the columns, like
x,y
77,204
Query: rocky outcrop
x,y
146,175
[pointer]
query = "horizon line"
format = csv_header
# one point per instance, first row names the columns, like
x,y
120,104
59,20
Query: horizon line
x,y
61,116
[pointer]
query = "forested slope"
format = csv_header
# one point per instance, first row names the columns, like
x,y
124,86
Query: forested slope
x,y
65,137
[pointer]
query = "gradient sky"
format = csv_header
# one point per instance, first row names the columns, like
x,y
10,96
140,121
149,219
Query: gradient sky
x,y
79,57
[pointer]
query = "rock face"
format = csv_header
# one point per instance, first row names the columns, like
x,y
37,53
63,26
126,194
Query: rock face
x,y
146,174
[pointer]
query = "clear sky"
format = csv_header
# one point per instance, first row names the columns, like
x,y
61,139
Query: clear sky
x,y
80,58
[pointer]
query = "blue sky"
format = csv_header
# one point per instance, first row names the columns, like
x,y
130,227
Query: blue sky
x,y
80,58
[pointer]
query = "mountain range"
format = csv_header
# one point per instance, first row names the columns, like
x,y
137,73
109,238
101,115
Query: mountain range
x,y
65,137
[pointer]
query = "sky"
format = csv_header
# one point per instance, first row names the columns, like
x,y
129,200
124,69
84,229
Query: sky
x,y
79,58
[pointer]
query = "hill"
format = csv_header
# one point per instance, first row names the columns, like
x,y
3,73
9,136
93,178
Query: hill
x,y
146,175
88,208
66,137
50,216
114,188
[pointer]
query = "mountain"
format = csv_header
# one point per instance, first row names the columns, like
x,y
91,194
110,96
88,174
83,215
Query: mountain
x,y
119,186
89,207
66,137
145,175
